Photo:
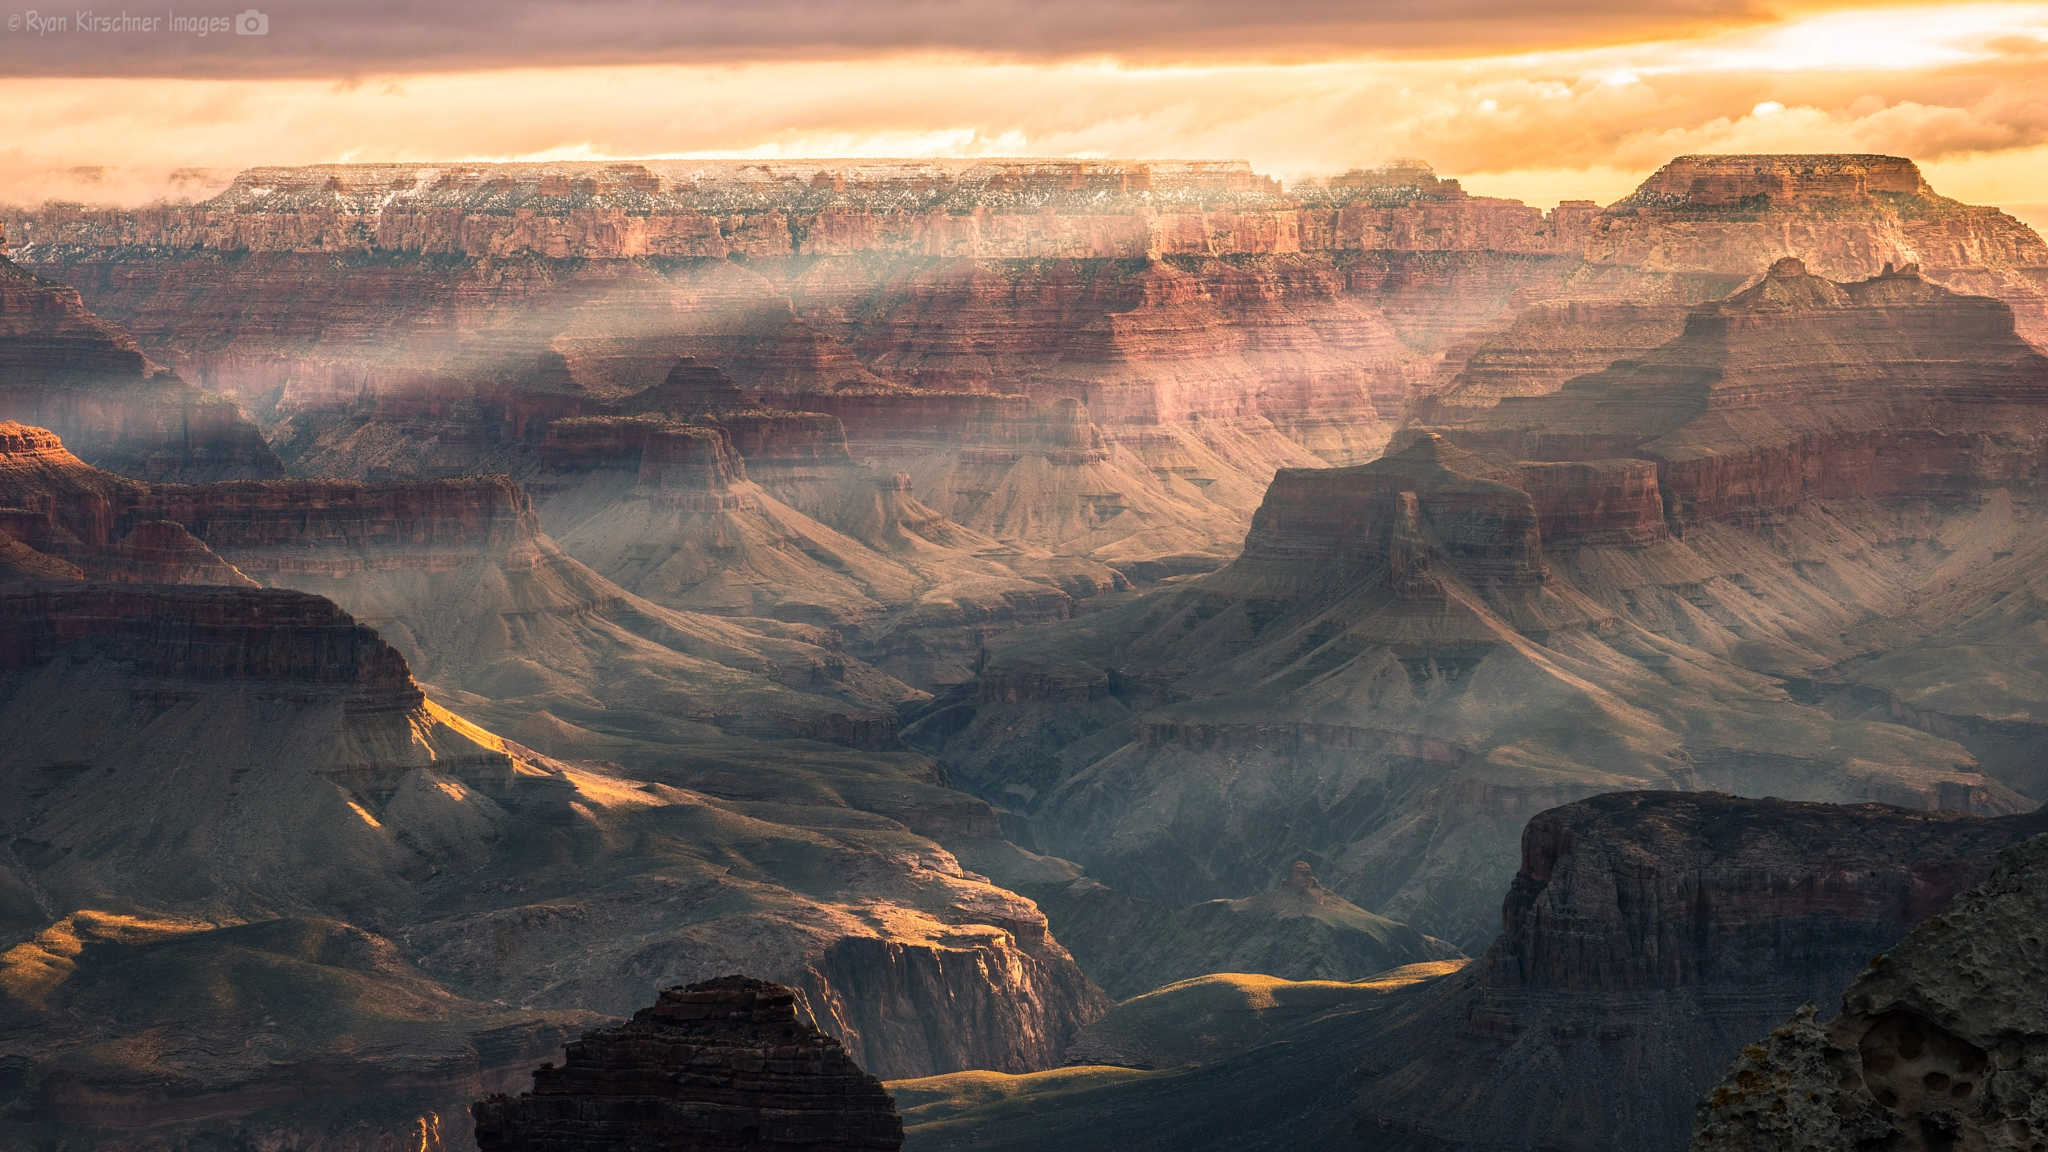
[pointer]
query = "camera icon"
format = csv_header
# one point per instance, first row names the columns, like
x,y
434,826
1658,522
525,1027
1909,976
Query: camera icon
x,y
252,23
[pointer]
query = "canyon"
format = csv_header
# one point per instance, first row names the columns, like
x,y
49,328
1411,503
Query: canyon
x,y
1132,614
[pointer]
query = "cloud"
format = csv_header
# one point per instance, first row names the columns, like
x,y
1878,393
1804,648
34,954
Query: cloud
x,y
1941,85
327,39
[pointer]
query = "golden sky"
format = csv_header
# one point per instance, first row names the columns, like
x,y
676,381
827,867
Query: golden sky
x,y
1581,103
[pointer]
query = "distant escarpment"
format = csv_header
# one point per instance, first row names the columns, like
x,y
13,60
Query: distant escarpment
x,y
64,368
726,1064
1801,388
1705,226
1420,653
1937,1044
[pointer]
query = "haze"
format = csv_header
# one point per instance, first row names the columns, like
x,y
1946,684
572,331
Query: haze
x,y
1581,104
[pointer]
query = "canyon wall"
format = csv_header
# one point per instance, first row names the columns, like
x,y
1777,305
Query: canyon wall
x,y
1645,939
65,368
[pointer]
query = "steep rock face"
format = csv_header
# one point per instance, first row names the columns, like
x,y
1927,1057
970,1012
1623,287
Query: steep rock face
x,y
1704,226
65,368
1938,1045
1403,666
1801,388
1227,327
1643,938
725,1064
458,575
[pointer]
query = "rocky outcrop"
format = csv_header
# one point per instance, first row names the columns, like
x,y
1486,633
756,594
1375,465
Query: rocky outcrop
x,y
1641,941
726,1064
209,634
1801,388
64,368
1297,931
163,552
1938,1044
1403,640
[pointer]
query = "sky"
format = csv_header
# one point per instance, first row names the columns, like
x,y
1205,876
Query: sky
x,y
1575,99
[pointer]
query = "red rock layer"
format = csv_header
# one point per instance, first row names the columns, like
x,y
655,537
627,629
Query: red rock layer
x,y
725,1064
163,552
1802,388
1373,515
209,634
63,367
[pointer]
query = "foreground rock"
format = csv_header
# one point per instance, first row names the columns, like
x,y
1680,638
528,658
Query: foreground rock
x,y
1647,938
1939,1044
729,1064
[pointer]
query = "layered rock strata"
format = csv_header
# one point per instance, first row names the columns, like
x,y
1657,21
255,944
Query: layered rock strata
x,y
190,762
1705,226
725,1064
1801,388
1643,937
1939,1042
64,368
458,575
1433,647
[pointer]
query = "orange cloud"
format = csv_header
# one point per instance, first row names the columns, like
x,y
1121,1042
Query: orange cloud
x,y
1957,85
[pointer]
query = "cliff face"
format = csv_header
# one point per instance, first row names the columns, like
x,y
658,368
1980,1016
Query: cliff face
x,y
65,368
458,575
1705,226
293,773
1800,388
1434,647
1935,1045
726,1064
1642,941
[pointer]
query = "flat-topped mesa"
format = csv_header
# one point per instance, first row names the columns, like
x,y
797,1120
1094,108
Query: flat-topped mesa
x,y
728,1065
1645,890
63,367
1800,387
998,208
209,635
1729,181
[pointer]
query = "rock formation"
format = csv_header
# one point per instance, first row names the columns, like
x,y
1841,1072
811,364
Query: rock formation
x,y
1299,930
64,368
1642,939
1434,647
1647,937
1800,388
1939,1042
1705,226
726,1064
